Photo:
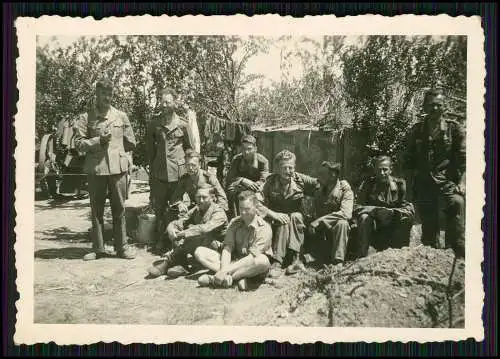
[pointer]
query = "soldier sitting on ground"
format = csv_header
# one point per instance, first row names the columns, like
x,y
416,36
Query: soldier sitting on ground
x,y
384,217
247,248
204,225
283,205
194,178
333,202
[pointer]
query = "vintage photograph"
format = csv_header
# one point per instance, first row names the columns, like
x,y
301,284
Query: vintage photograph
x,y
247,180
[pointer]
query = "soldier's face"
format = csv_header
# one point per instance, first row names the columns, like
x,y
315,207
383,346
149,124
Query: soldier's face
x,y
167,101
435,106
287,169
193,165
247,210
203,199
248,150
104,96
326,176
384,170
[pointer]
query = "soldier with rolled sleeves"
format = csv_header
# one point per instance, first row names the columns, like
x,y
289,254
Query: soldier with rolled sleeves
x,y
248,171
167,139
384,217
435,157
333,202
105,135
203,225
192,180
283,204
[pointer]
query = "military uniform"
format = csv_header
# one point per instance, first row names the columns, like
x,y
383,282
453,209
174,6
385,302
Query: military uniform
x,y
288,198
166,143
370,229
437,163
189,185
200,228
257,171
333,210
107,166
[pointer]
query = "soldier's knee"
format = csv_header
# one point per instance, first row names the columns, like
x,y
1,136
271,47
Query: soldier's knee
x,y
364,218
200,253
342,224
296,217
262,261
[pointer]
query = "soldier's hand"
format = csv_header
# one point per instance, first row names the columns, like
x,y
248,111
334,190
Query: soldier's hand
x,y
182,208
215,245
313,227
281,218
461,188
219,277
105,136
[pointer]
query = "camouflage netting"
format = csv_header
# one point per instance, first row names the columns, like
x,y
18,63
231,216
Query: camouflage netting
x,y
394,288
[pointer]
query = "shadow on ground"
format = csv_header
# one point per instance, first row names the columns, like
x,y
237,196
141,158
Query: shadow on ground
x,y
65,234
62,253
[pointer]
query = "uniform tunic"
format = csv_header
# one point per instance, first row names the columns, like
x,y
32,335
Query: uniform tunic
x,y
166,143
190,185
391,195
256,170
107,166
288,198
333,206
437,163
201,228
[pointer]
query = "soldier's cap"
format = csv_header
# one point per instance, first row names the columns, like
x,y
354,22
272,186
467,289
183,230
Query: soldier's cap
x,y
332,166
190,153
104,83
248,139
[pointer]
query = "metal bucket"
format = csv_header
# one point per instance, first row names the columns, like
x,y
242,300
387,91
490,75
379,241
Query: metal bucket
x,y
146,228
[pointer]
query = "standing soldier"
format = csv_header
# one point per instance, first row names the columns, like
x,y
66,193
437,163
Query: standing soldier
x,y
334,201
248,171
283,203
436,158
384,216
105,135
167,139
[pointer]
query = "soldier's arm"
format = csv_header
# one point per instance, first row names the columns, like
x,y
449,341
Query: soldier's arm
x,y
216,221
232,180
460,149
404,208
310,184
129,142
186,139
83,142
264,170
151,143
262,206
221,195
409,152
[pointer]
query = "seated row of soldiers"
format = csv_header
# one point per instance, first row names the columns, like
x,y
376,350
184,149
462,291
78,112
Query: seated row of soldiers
x,y
270,232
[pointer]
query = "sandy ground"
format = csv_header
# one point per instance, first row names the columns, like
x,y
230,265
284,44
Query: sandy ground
x,y
111,290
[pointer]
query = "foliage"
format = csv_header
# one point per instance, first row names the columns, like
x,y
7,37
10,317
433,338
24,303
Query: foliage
x,y
385,79
206,71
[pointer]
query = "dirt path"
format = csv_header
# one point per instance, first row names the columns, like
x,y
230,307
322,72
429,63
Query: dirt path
x,y
393,288
70,290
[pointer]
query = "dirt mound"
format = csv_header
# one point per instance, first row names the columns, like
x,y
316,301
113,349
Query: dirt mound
x,y
395,288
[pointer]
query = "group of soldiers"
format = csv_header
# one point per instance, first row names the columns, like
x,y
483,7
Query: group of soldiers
x,y
254,225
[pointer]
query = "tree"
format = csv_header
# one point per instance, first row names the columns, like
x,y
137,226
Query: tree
x,y
384,83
